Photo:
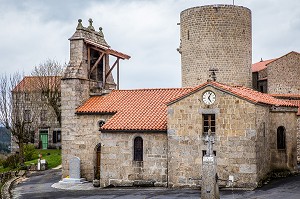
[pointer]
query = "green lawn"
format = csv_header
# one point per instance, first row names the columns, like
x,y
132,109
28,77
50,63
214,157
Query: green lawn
x,y
52,156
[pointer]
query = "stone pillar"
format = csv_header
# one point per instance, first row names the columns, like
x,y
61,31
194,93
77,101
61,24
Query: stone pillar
x,y
209,188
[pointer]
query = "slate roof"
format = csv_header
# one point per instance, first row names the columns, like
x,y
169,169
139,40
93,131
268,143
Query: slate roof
x,y
146,109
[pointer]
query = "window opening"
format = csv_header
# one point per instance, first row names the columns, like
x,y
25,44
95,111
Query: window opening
x,y
43,115
138,149
56,136
101,123
209,122
281,138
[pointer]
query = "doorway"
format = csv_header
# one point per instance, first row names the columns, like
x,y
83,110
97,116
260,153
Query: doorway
x,y
98,161
43,139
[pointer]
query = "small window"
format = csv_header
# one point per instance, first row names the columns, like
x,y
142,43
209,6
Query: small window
x,y
101,123
281,138
43,115
138,149
43,96
209,122
27,97
27,116
56,136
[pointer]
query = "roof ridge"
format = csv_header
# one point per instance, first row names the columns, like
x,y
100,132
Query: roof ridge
x,y
147,89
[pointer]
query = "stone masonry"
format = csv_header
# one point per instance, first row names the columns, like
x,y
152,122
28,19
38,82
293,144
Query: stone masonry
x,y
216,36
283,74
243,133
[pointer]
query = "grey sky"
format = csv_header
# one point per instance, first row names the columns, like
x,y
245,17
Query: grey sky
x,y
34,30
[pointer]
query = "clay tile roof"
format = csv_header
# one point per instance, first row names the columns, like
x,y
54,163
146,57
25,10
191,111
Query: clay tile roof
x,y
33,83
244,93
297,103
142,109
261,65
146,109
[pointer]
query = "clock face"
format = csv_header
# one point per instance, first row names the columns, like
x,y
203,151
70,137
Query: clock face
x,y
209,97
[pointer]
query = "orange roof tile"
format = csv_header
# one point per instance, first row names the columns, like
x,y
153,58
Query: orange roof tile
x,y
297,103
287,96
146,109
261,65
33,83
244,93
142,109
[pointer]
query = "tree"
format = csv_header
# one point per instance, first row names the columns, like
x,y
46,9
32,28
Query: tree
x,y
49,75
18,109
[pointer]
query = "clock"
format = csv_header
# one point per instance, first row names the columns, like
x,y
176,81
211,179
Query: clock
x,y
209,97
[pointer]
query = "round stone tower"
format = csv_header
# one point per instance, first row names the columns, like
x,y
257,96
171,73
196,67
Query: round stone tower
x,y
216,37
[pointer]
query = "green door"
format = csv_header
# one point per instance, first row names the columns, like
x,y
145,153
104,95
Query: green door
x,y
44,139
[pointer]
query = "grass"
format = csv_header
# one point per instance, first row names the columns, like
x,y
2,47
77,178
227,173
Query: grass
x,y
52,156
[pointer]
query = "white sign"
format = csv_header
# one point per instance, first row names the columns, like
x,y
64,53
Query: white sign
x,y
208,159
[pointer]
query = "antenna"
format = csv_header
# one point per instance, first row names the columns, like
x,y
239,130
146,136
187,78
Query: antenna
x,y
233,2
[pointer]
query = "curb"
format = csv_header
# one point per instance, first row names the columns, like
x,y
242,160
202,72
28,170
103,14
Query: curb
x,y
5,191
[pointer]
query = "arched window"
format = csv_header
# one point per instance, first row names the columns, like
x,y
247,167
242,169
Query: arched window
x,y
281,137
138,149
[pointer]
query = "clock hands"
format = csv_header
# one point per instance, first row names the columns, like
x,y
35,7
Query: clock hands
x,y
209,96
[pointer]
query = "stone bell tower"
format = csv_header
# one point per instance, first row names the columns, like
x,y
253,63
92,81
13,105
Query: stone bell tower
x,y
88,73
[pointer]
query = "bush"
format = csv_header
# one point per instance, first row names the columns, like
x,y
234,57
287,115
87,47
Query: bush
x,y
29,152
12,161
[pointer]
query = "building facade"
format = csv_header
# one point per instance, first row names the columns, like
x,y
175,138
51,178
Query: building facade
x,y
155,137
36,113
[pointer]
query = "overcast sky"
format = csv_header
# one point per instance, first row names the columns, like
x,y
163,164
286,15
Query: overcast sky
x,y
35,30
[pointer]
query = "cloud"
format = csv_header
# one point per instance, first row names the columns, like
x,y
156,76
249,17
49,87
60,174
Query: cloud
x,y
35,30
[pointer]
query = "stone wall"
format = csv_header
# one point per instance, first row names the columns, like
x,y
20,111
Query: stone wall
x,y
237,152
118,167
298,139
74,93
263,137
283,75
216,36
284,158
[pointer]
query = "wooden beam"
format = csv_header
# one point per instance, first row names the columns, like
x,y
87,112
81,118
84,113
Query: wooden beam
x,y
118,76
97,49
97,62
117,61
89,59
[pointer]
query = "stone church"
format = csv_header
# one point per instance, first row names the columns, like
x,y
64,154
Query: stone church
x,y
155,137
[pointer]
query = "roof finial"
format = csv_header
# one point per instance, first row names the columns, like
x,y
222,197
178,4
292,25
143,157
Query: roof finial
x,y
79,26
100,32
261,59
91,24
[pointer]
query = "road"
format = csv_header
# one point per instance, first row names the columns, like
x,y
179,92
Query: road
x,y
38,185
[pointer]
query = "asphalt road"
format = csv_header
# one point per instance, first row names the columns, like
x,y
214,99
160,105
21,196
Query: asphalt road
x,y
38,185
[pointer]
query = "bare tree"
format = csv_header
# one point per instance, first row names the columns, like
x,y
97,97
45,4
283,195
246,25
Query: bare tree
x,y
48,76
18,109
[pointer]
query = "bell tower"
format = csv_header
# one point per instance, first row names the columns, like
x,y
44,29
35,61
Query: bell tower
x,y
88,73
90,59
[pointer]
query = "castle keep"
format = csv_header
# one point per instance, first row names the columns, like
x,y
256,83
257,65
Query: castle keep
x,y
155,137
